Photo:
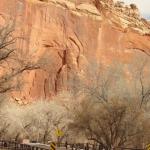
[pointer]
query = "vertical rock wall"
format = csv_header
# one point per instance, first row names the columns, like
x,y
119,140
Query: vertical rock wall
x,y
67,37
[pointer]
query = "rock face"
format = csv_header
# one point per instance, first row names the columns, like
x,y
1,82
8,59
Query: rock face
x,y
69,34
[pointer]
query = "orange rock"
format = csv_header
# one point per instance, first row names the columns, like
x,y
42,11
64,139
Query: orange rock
x,y
68,38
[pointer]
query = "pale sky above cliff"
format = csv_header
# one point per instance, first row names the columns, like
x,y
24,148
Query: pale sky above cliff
x,y
143,5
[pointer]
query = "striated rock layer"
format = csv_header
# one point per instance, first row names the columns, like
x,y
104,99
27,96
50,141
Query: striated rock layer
x,y
68,34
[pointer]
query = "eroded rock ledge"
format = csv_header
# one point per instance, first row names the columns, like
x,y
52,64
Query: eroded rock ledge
x,y
126,16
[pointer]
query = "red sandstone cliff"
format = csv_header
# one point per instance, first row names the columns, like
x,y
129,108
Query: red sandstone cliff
x,y
71,33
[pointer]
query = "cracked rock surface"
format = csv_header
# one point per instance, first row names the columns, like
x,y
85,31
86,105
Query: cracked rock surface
x,y
70,34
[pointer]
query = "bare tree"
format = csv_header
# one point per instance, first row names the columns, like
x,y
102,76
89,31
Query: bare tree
x,y
12,62
37,121
140,73
40,120
145,89
96,82
108,122
112,125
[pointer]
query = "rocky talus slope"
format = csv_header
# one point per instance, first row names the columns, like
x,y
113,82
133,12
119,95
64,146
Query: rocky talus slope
x,y
69,34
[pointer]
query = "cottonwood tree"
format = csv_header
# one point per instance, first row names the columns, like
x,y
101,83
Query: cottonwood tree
x,y
118,80
4,117
139,72
12,115
37,121
4,125
96,82
112,125
144,85
12,62
40,120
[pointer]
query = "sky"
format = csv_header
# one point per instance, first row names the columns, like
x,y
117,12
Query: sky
x,y
143,5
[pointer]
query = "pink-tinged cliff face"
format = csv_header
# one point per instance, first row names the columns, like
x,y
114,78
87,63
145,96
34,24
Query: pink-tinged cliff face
x,y
68,35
